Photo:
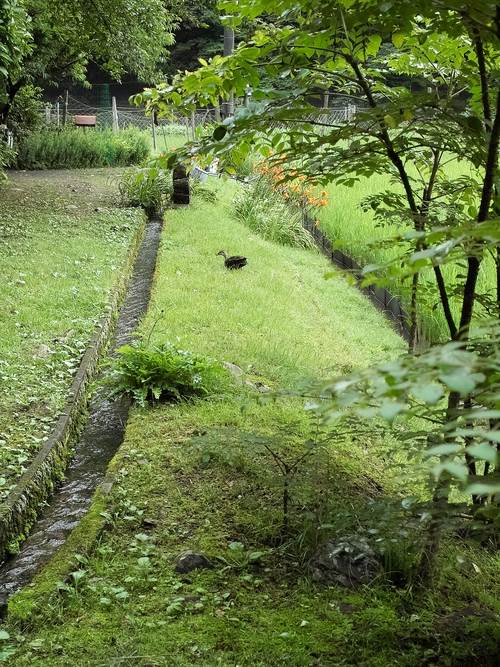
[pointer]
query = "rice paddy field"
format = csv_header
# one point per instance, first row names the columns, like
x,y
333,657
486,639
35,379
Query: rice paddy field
x,y
361,235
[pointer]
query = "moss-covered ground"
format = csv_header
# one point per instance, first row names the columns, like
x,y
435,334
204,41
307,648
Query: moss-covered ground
x,y
202,476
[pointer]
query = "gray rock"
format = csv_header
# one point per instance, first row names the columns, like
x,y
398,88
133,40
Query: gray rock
x,y
260,386
44,351
235,370
190,560
349,562
3,607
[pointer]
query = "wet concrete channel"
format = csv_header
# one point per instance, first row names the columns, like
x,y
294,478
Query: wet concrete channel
x,y
99,440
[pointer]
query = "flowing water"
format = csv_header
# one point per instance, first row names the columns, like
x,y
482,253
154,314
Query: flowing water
x,y
98,442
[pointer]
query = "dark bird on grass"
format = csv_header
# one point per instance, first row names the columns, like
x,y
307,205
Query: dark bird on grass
x,y
234,262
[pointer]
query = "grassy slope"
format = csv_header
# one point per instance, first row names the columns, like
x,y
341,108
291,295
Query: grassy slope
x,y
278,319
62,242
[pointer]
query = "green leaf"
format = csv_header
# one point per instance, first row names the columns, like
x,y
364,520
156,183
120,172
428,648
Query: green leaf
x,y
390,410
484,452
219,133
374,42
442,450
4,635
397,39
454,468
474,124
459,381
390,121
430,393
482,489
236,546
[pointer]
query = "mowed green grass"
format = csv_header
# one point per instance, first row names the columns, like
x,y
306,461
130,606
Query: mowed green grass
x,y
277,317
63,239
279,320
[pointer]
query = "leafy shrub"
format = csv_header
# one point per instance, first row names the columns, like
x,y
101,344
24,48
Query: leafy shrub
x,y
149,372
7,157
150,187
25,113
74,148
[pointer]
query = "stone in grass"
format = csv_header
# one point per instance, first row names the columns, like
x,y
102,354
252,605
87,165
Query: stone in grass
x,y
44,351
348,562
190,560
235,370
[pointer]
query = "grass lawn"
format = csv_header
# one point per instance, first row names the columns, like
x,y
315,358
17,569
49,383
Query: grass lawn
x,y
202,475
63,238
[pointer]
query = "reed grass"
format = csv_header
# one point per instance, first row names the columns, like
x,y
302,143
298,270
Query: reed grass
x,y
74,149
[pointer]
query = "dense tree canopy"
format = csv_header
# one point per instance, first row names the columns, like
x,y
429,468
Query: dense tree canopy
x,y
199,35
46,40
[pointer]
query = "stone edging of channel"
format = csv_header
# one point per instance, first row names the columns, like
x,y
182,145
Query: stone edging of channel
x,y
24,606
20,509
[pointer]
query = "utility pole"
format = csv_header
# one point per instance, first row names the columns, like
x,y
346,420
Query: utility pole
x,y
227,108
65,108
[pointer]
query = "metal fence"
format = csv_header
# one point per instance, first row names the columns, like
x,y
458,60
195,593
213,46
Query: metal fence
x,y
125,116
136,117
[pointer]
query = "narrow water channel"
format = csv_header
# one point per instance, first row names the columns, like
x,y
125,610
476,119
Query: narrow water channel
x,y
98,442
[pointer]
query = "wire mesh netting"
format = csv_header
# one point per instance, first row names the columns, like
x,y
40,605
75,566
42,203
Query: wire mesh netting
x,y
129,116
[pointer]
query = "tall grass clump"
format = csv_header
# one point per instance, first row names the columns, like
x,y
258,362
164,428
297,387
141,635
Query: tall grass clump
x,y
149,187
275,204
74,148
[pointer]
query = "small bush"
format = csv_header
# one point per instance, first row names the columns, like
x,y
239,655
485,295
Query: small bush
x,y
150,187
74,148
149,372
25,113
7,157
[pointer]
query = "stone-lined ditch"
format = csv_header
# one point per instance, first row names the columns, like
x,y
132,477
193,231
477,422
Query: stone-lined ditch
x,y
98,441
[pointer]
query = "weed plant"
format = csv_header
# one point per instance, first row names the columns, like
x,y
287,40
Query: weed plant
x,y
268,215
149,187
74,148
154,372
